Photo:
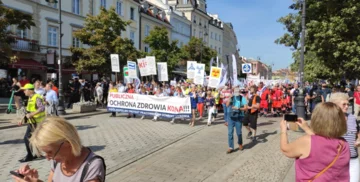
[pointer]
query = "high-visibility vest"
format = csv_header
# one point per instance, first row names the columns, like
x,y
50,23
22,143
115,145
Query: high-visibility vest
x,y
253,103
31,107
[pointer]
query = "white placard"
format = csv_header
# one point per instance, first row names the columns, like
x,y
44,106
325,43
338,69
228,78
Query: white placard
x,y
191,69
162,72
115,64
199,74
132,73
173,82
151,65
215,77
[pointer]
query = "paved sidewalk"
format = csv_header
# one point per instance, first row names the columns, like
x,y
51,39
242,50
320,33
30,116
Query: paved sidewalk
x,y
119,140
202,157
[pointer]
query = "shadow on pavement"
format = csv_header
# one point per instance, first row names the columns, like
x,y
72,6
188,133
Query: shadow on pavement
x,y
259,139
85,127
96,148
16,141
264,124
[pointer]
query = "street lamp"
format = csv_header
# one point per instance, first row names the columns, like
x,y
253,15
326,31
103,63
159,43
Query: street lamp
x,y
202,41
61,108
300,98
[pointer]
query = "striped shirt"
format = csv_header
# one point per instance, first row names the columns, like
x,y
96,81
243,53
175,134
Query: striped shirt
x,y
350,136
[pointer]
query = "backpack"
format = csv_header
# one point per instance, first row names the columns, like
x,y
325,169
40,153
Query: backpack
x,y
86,167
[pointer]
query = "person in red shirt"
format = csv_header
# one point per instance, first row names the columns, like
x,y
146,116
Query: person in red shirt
x,y
131,90
276,99
357,101
24,81
264,104
54,88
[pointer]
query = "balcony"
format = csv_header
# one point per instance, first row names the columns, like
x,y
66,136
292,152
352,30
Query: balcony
x,y
23,44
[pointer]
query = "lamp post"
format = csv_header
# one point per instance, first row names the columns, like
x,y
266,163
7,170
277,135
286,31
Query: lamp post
x,y
300,98
202,41
61,108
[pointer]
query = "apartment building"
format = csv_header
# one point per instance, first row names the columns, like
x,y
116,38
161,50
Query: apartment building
x,y
216,35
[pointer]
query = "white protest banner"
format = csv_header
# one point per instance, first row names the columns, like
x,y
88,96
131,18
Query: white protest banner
x,y
115,64
191,69
151,65
215,76
199,74
167,107
162,72
132,73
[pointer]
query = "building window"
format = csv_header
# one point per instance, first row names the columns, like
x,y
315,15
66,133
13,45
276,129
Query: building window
x,y
76,7
215,48
215,36
147,30
132,36
54,5
119,8
219,50
194,19
200,34
132,13
194,33
220,38
76,42
103,3
211,35
22,33
52,36
147,49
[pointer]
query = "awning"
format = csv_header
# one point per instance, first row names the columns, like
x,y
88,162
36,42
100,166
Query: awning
x,y
69,70
29,64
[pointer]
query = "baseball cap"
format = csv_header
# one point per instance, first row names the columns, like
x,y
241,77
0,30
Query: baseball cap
x,y
28,86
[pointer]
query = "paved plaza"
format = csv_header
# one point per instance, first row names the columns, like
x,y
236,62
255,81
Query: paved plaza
x,y
143,150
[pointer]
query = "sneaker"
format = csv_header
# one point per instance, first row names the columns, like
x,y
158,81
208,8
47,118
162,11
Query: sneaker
x,y
229,151
241,147
213,119
142,117
208,124
172,121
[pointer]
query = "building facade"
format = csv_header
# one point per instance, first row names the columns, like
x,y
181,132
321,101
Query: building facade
x,y
180,24
216,35
229,42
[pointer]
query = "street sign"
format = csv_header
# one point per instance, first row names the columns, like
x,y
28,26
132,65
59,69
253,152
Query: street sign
x,y
246,68
115,64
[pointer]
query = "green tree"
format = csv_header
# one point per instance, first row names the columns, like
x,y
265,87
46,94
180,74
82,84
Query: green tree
x,y
103,34
197,50
332,38
162,48
9,17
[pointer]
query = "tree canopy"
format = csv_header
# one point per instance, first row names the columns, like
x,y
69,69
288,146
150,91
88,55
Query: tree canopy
x,y
9,17
332,39
102,33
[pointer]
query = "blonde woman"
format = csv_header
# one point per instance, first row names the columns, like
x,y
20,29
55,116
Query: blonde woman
x,y
59,142
342,100
321,155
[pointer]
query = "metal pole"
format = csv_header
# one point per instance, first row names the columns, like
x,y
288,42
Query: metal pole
x,y
201,49
61,108
302,43
300,98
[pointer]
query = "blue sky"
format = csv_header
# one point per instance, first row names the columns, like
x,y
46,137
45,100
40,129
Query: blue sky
x,y
256,28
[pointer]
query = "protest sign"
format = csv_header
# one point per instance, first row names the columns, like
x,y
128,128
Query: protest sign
x,y
162,72
215,76
151,65
167,107
115,64
191,69
199,74
132,72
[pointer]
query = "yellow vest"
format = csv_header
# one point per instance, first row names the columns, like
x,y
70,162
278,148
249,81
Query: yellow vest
x,y
31,107
216,96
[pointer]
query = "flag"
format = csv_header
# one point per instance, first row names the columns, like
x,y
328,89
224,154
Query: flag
x,y
223,78
234,67
211,62
217,61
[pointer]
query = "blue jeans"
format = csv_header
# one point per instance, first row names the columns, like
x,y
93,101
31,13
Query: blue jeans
x,y
237,123
294,108
226,112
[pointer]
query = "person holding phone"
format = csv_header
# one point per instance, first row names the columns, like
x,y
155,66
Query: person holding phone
x,y
59,142
237,105
321,154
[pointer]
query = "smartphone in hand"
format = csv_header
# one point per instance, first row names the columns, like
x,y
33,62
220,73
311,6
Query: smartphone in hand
x,y
17,174
291,117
